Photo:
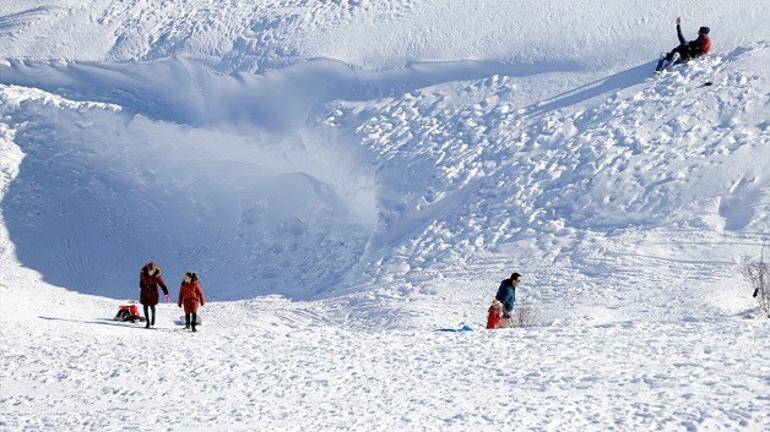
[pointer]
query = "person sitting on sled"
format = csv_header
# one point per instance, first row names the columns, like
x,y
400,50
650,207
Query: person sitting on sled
x,y
495,315
128,312
686,50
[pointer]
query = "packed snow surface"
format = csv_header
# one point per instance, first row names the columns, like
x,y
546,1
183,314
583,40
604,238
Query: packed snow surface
x,y
349,176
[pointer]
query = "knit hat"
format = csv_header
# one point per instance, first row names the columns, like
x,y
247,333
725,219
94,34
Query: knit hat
x,y
704,30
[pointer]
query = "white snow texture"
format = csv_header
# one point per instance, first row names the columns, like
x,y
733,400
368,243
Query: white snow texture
x,y
348,176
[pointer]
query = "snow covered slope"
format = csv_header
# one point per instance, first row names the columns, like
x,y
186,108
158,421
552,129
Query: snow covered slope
x,y
252,36
319,177
348,175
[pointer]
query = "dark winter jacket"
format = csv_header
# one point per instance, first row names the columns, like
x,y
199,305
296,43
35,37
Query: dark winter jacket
x,y
148,286
506,295
695,48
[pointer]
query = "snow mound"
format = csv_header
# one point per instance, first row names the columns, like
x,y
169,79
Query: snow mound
x,y
99,192
405,177
475,174
347,176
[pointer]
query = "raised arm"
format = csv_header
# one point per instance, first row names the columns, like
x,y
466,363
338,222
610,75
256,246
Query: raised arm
x,y
679,34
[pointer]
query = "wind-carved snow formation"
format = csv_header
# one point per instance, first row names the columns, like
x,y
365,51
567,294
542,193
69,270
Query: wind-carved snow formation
x,y
303,180
346,175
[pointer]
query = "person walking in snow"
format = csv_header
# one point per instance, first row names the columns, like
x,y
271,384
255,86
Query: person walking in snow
x,y
191,298
506,295
150,278
686,50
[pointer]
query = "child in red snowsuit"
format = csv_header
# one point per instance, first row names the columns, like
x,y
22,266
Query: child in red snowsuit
x,y
495,316
128,313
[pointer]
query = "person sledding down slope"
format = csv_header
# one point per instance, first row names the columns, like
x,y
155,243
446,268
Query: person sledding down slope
x,y
128,312
686,50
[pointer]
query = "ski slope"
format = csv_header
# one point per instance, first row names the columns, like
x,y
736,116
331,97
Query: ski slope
x,y
347,177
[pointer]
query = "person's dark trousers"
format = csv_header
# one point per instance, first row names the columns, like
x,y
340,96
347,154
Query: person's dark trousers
x,y
684,54
188,323
150,321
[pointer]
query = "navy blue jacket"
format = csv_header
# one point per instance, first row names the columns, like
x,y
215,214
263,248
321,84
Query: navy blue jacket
x,y
506,294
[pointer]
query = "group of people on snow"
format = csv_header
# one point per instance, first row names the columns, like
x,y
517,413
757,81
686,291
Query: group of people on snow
x,y
150,281
500,311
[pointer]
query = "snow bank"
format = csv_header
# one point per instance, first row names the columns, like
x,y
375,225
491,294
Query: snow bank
x,y
347,176
322,178
100,192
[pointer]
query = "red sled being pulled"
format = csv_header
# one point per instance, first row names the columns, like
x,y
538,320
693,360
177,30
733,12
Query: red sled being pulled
x,y
128,313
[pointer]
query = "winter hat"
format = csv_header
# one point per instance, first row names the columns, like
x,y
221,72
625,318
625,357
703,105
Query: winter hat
x,y
192,276
704,30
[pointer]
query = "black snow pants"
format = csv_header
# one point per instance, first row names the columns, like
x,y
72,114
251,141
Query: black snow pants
x,y
147,309
188,323
683,49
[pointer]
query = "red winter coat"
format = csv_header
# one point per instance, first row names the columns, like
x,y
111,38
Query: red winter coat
x,y
705,46
191,296
148,287
132,309
495,315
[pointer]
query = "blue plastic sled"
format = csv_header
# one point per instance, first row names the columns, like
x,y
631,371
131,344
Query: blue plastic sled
x,y
463,329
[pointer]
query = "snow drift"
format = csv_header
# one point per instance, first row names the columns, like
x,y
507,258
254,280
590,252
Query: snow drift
x,y
322,177
346,176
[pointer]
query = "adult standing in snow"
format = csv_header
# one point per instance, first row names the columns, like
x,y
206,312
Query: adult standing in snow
x,y
686,50
150,278
506,295
191,297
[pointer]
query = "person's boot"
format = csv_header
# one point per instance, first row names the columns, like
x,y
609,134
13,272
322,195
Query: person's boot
x,y
147,324
661,62
193,329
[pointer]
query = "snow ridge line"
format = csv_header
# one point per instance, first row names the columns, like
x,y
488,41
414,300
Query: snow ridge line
x,y
10,160
278,100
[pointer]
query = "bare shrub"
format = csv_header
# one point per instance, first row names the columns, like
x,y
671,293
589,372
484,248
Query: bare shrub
x,y
756,271
523,316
